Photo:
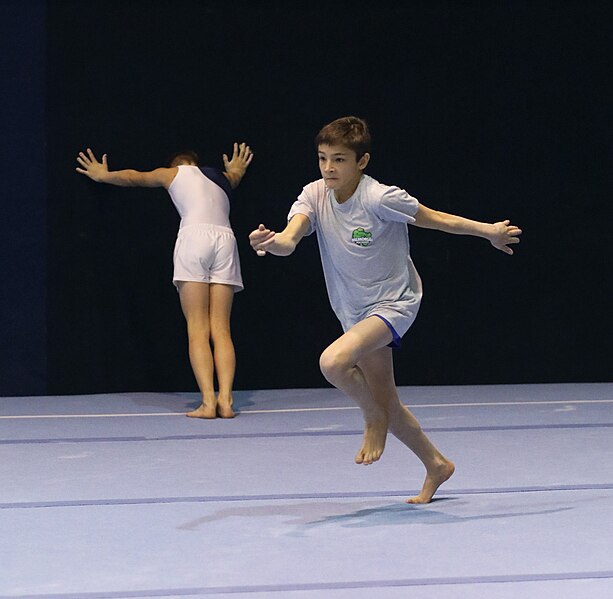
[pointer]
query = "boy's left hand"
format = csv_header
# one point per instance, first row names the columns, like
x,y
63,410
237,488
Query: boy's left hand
x,y
241,159
504,234
96,171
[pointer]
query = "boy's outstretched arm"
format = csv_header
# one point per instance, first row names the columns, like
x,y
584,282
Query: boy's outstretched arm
x,y
500,235
264,240
237,166
99,172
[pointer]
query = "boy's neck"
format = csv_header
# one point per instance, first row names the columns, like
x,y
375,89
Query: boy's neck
x,y
342,195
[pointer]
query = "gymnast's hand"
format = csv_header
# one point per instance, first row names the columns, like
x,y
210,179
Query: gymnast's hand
x,y
235,168
503,234
261,239
96,171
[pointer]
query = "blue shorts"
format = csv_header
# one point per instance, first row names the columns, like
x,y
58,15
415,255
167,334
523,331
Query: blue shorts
x,y
396,339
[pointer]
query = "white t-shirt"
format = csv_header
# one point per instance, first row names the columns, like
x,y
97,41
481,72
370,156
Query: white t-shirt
x,y
364,248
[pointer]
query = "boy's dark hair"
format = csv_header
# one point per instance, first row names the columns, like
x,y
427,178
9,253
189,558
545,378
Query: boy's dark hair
x,y
184,155
349,131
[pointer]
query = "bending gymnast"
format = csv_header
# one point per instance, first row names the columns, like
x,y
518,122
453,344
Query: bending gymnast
x,y
372,284
206,263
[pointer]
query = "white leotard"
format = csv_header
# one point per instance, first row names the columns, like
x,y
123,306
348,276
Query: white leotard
x,y
206,250
198,199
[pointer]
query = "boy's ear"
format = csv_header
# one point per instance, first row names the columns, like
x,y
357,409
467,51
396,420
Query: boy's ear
x,y
362,162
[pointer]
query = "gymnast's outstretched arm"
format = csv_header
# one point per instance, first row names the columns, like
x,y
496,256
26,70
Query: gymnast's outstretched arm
x,y
264,240
99,172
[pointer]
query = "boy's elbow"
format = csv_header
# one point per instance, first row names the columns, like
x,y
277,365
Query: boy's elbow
x,y
132,179
437,220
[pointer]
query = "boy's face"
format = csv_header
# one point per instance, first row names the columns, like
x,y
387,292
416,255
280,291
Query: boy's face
x,y
340,168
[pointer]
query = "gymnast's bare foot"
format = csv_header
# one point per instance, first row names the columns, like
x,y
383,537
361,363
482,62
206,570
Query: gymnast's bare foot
x,y
224,408
375,434
434,479
204,410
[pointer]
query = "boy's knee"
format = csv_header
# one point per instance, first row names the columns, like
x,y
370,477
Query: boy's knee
x,y
220,334
332,364
198,329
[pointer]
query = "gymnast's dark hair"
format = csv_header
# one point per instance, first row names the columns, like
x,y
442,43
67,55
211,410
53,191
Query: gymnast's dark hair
x,y
184,155
349,131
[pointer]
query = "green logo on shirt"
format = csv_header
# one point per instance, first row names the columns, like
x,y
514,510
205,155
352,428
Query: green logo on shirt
x,y
361,237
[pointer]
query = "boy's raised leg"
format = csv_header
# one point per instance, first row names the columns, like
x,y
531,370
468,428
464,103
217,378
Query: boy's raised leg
x,y
339,363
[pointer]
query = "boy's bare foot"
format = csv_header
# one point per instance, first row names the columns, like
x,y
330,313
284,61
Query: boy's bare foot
x,y
434,479
375,434
224,409
203,411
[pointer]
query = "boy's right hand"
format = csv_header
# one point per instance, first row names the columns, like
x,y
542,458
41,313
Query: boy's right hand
x,y
261,239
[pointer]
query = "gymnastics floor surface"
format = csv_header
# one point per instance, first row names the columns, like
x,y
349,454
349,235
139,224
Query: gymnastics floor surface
x,y
121,495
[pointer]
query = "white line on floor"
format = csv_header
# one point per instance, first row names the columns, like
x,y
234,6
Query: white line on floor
x,y
321,409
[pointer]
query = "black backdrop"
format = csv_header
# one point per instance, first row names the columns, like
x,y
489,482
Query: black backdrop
x,y
23,211
490,110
